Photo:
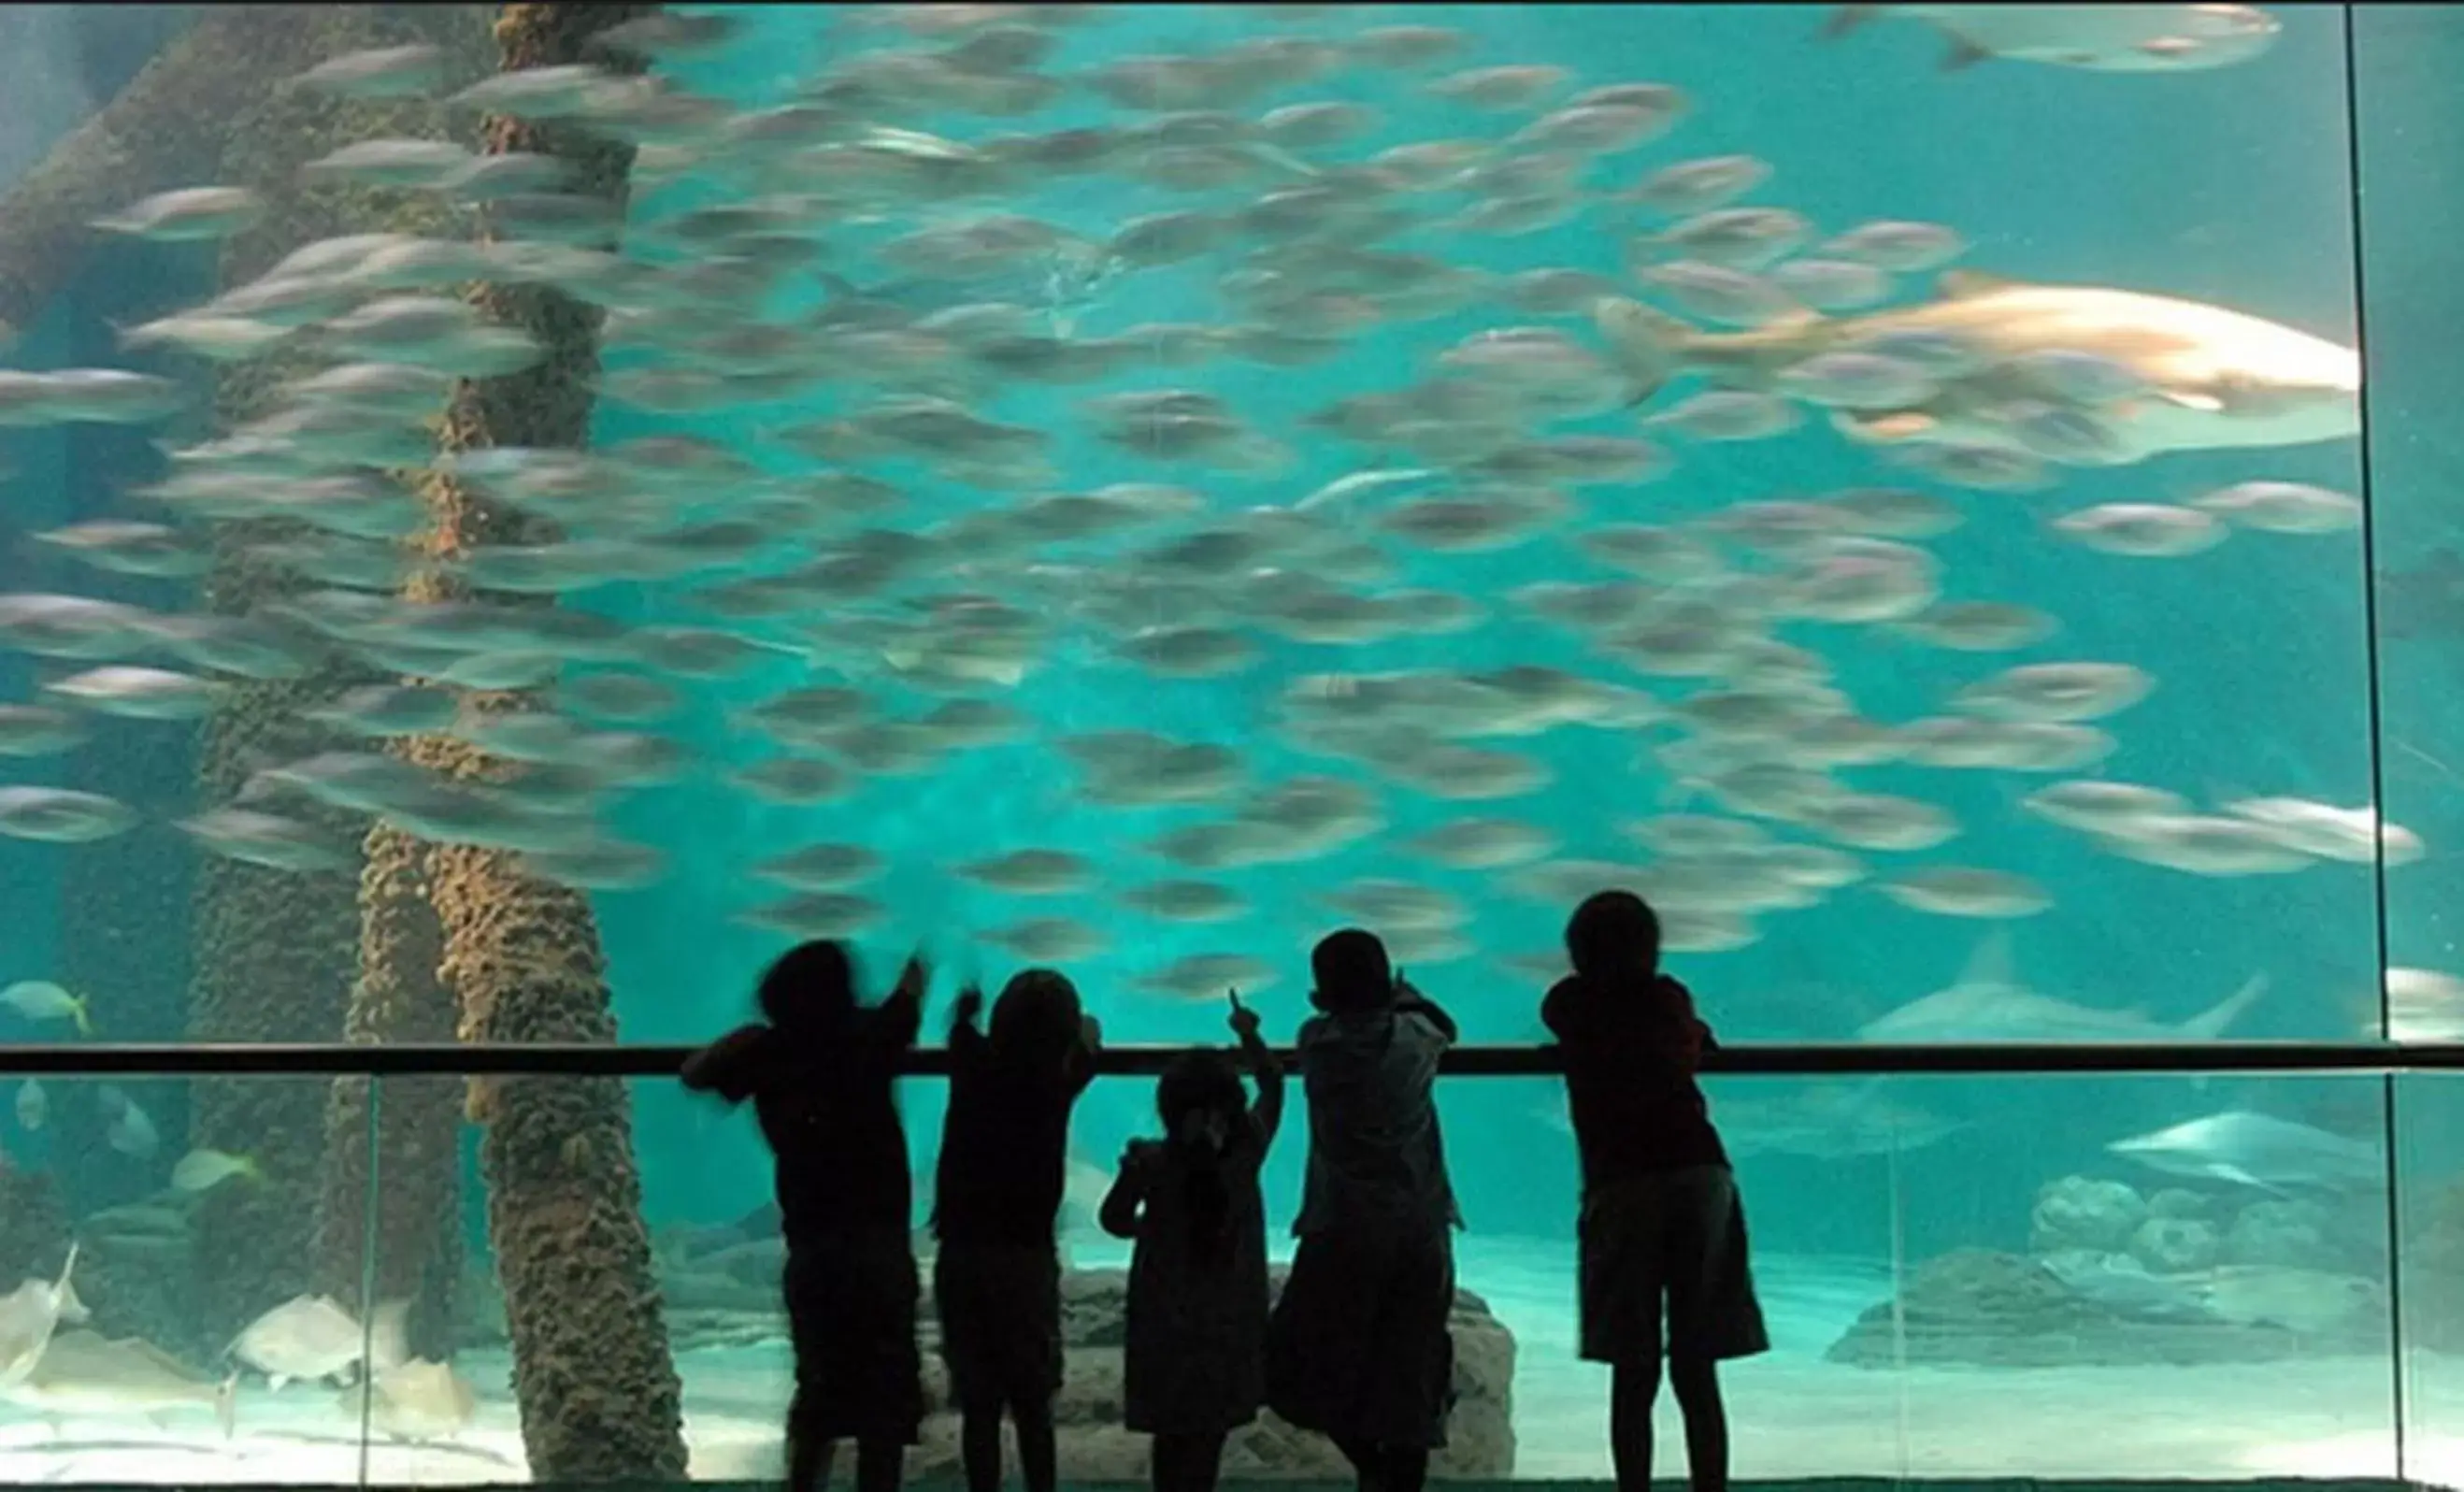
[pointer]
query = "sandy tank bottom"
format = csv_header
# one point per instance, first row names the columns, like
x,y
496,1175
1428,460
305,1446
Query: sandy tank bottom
x,y
1792,1416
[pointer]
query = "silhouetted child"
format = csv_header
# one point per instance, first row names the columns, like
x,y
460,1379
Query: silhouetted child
x,y
1357,1349
820,1073
1660,1214
1196,1365
996,1278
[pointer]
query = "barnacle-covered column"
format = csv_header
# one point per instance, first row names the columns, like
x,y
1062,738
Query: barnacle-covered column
x,y
275,953
593,1378
408,1209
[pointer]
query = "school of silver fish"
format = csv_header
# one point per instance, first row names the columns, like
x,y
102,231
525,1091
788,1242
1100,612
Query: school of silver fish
x,y
883,284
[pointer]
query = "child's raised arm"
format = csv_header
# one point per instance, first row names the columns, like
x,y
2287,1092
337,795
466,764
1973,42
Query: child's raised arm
x,y
963,1030
1265,1069
901,1016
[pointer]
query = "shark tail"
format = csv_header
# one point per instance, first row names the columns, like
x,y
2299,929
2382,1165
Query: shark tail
x,y
2214,1022
1846,18
1650,346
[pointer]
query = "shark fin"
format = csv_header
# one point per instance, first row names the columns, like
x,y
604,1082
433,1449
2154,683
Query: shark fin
x,y
1991,963
1846,18
1962,54
2213,1022
1969,284
226,1404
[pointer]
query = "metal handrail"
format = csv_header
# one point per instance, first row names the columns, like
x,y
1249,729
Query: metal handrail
x,y
436,1058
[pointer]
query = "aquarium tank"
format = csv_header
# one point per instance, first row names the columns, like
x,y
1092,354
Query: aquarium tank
x,y
512,517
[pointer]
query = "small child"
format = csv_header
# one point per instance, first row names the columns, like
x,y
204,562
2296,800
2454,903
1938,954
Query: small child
x,y
821,1071
1196,1363
1357,1348
1660,1212
996,1278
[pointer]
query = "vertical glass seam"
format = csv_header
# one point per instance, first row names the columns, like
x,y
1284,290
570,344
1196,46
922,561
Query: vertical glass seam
x,y
2374,694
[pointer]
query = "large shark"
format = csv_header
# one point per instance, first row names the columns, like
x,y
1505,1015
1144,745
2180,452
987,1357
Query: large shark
x,y
2197,376
1987,1004
2104,38
2258,1150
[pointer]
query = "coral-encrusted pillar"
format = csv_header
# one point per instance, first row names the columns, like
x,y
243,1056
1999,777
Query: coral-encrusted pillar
x,y
593,1376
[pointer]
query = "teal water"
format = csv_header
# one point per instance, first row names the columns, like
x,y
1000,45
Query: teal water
x,y
2212,186
2232,187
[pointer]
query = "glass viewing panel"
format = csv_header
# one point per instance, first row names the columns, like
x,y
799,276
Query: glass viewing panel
x,y
1135,488
1963,1278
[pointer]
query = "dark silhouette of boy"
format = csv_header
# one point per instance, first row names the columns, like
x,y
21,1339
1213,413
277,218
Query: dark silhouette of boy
x,y
1358,1348
821,1071
995,1201
1660,1216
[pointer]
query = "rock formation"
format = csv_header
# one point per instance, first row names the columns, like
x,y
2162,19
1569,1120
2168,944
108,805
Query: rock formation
x,y
722,1291
2112,1277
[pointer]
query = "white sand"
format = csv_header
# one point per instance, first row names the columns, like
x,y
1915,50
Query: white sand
x,y
1791,1414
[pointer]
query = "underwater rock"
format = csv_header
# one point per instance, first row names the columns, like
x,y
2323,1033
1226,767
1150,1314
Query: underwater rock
x,y
2172,1245
2295,1235
1094,1447
1979,1307
2082,1212
2175,1202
